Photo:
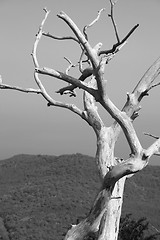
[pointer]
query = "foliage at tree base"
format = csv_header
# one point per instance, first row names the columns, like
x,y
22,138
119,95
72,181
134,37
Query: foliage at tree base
x,y
131,229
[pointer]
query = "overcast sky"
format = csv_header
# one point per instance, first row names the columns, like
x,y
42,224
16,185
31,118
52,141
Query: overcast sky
x,y
27,124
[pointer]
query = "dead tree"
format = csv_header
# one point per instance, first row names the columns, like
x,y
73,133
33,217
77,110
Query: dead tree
x,y
102,222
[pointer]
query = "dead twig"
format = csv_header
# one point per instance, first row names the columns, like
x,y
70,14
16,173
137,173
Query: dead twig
x,y
26,90
151,135
153,86
111,15
60,38
92,23
115,46
71,65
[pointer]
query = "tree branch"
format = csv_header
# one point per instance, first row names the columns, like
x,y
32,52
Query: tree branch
x,y
35,60
91,109
92,23
26,90
70,88
41,90
154,85
60,38
115,46
69,79
131,165
56,74
151,135
92,54
119,116
85,74
71,65
89,51
125,123
153,149
38,37
111,15
157,154
141,89
144,85
51,101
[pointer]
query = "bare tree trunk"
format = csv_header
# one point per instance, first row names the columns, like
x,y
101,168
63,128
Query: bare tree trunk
x,y
112,208
102,222
109,228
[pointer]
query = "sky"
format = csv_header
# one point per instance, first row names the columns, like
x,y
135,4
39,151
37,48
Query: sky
x,y
28,126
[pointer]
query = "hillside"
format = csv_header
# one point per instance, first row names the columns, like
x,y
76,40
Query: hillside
x,y
40,196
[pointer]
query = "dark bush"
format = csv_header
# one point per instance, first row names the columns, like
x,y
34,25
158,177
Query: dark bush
x,y
131,229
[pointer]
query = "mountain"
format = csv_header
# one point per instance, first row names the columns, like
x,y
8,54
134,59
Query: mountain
x,y
41,196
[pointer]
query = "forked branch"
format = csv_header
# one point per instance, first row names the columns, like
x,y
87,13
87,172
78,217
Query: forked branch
x,y
85,74
125,122
121,42
131,106
51,101
92,53
69,79
41,90
116,46
86,46
131,165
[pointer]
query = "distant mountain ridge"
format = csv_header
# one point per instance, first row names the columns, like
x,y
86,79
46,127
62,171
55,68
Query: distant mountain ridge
x,y
40,195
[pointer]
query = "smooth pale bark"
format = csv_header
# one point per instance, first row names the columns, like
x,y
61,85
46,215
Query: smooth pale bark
x,y
102,222
103,219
